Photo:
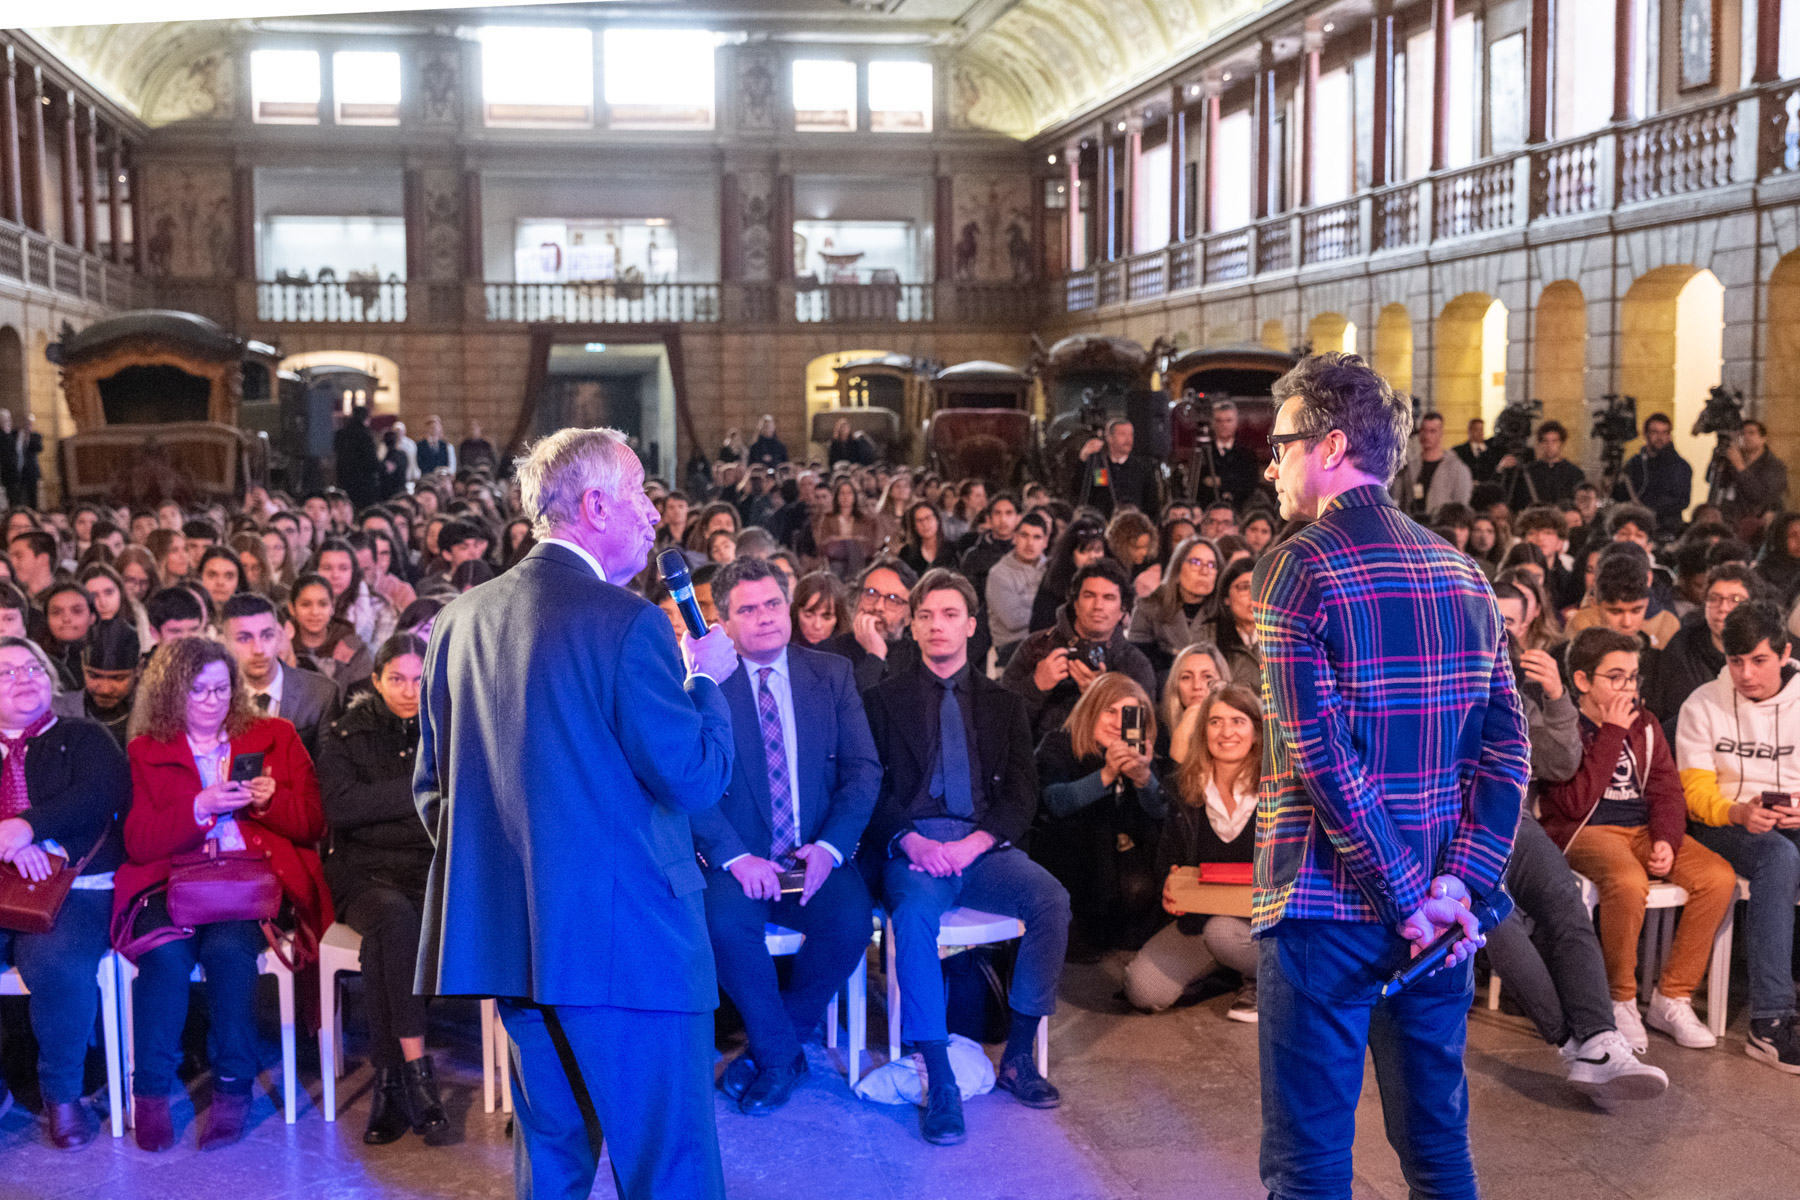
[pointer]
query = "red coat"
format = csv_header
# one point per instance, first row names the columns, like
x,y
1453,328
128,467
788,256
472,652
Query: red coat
x,y
164,782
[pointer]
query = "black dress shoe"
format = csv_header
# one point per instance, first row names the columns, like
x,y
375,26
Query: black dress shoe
x,y
773,1087
428,1119
72,1126
739,1074
941,1120
389,1115
1020,1077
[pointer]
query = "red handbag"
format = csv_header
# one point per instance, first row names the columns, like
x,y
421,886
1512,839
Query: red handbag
x,y
31,906
210,885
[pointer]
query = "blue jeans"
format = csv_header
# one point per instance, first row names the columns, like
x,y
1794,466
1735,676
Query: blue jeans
x,y
1771,862
59,969
1003,881
1319,1009
228,951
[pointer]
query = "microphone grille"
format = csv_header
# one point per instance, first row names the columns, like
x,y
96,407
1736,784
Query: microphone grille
x,y
671,564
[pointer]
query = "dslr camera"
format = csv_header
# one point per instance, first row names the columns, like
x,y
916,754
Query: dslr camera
x,y
1091,655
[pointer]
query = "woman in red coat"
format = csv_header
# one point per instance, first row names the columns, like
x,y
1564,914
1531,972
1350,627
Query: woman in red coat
x,y
193,715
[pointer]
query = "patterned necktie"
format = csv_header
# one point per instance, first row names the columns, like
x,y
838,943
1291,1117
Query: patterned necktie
x,y
14,798
783,829
262,701
953,755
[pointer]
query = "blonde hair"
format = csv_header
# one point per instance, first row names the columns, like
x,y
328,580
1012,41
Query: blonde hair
x,y
1171,705
1197,769
557,470
1106,691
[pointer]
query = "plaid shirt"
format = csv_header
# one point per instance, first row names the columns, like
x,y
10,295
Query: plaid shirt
x,y
1396,745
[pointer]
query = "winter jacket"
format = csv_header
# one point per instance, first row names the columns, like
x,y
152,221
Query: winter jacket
x,y
365,784
1160,620
1732,750
1050,709
1565,807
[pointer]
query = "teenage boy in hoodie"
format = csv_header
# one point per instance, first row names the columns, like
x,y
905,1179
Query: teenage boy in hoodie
x,y
1621,820
1735,744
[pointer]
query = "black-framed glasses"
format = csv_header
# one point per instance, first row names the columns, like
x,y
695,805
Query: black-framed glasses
x,y
1279,441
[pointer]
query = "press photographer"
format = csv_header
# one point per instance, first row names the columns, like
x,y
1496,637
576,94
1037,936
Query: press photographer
x,y
1748,482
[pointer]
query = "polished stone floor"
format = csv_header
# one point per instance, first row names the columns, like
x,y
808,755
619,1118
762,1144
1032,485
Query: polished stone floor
x,y
1160,1106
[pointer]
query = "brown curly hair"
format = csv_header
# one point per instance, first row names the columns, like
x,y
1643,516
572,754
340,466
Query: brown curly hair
x,y
162,701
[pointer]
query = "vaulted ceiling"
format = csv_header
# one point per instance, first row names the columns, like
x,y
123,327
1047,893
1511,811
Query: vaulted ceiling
x,y
1018,66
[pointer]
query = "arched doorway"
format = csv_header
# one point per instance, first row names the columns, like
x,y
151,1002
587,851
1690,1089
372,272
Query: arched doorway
x,y
1469,377
385,401
1671,351
1394,347
1781,363
1559,351
822,380
1331,331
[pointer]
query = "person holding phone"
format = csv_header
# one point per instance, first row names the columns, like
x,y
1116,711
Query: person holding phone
x,y
1101,819
205,767
1622,820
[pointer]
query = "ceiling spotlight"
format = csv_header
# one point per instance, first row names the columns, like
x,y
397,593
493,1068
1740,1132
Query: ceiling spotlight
x,y
1329,27
1121,127
1053,160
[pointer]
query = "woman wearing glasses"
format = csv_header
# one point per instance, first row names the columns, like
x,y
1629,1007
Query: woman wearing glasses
x,y
193,718
1180,611
62,786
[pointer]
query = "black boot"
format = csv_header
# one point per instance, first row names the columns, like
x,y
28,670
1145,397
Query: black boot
x,y
389,1118
428,1119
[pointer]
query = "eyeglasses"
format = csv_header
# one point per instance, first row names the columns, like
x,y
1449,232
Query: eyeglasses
x,y
30,674
1620,679
1203,565
884,597
220,692
1278,441
1724,602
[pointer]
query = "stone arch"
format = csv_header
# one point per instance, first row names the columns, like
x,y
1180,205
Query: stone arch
x,y
1469,369
1781,364
1331,331
1672,349
1559,361
1394,347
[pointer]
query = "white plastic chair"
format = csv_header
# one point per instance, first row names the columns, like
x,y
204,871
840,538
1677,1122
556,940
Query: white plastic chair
x,y
959,927
496,1059
108,976
340,952
266,964
1718,972
781,942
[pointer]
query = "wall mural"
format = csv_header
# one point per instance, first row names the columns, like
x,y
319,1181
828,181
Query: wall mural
x,y
756,238
442,213
204,90
756,93
992,228
190,218
439,70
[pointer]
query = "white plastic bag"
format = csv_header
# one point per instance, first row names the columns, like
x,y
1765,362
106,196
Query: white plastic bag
x,y
903,1081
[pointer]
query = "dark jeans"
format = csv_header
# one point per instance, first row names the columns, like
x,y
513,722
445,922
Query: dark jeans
x,y
59,970
1319,1007
1771,862
837,928
1002,881
1557,972
646,1082
388,920
227,951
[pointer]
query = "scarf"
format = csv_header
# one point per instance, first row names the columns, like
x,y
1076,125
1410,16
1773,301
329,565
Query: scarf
x,y
14,798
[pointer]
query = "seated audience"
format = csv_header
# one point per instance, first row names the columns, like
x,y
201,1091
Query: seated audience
x,y
138,570
1212,819
68,616
306,700
1053,667
1082,543
957,796
380,856
1234,628
1131,539
1180,611
366,611
803,784
192,719
1012,584
879,642
62,788
1621,820
110,661
221,574
320,640
1695,656
925,544
1197,671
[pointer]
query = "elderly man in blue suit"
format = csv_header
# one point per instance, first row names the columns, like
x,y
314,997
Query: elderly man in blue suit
x,y
803,784
563,747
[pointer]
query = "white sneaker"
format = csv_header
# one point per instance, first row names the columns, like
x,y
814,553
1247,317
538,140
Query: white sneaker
x,y
1630,1025
1606,1069
1676,1018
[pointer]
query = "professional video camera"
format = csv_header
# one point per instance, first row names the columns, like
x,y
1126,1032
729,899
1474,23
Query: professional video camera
x,y
1723,414
1512,428
1615,423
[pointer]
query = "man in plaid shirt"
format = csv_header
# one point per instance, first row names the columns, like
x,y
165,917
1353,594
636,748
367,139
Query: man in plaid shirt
x,y
1396,766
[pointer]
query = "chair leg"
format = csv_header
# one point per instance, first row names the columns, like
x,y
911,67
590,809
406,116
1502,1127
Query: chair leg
x,y
284,986
488,1018
502,1062
127,1033
1043,1047
1718,977
330,1034
857,1018
893,993
1493,991
831,1022
109,1018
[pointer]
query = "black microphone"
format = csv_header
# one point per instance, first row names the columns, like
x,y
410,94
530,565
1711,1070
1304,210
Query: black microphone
x,y
1428,960
671,564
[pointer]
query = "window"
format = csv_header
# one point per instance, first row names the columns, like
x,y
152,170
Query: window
x,y
1231,172
537,77
900,97
659,78
824,96
366,87
1506,94
1333,143
284,85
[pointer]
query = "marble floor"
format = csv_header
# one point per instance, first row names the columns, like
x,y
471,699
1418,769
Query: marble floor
x,y
1161,1106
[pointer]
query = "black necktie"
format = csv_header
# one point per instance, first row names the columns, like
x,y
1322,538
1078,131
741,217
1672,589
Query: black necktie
x,y
262,701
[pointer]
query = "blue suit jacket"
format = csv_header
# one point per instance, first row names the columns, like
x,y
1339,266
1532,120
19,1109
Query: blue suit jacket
x,y
559,758
839,773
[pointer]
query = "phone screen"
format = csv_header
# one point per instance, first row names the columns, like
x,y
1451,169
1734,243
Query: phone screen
x,y
245,767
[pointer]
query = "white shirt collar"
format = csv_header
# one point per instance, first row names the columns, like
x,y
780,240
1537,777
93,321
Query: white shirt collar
x,y
1228,825
589,559
779,666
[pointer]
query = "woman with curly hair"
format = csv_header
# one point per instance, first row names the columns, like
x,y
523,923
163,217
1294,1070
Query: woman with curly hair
x,y
1132,539
192,720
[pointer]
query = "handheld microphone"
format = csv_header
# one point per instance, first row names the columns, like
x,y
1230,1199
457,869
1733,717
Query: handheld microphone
x,y
673,568
1428,960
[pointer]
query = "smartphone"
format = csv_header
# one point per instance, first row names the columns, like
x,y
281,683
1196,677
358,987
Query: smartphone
x,y
1772,799
793,881
1131,726
245,767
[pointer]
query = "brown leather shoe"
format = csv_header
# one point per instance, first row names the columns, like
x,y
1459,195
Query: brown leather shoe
x,y
225,1120
153,1127
72,1126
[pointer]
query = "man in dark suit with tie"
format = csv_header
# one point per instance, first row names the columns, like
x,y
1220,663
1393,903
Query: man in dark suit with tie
x,y
563,747
803,784
960,789
306,699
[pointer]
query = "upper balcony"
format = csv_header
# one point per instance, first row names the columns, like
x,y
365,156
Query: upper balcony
x,y
1641,169
30,258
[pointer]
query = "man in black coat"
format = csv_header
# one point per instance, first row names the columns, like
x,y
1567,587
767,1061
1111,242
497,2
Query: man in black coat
x,y
1657,477
358,466
563,747
1236,471
1053,667
959,791
1113,477
879,643
803,783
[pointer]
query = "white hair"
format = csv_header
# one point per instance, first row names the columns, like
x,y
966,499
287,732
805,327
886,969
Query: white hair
x,y
557,470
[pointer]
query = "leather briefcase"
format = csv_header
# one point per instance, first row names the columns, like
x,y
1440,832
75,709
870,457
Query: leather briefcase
x,y
211,885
